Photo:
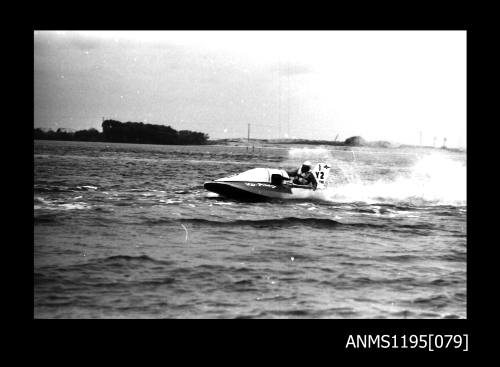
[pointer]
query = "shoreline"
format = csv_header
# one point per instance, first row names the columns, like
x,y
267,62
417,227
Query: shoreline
x,y
264,143
261,143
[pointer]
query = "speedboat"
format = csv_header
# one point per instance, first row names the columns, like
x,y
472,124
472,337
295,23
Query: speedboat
x,y
266,183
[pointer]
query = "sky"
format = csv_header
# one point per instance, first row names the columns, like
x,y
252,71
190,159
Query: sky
x,y
399,86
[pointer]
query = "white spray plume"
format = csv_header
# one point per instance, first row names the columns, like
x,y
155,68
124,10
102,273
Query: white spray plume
x,y
434,179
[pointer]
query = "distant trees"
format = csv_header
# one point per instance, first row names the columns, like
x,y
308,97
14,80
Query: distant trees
x,y
138,132
88,135
61,134
39,134
187,137
128,132
355,141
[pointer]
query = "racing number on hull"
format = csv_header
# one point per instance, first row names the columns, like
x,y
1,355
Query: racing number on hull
x,y
318,173
321,174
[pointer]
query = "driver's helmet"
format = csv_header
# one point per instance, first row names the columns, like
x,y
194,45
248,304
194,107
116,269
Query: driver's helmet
x,y
306,166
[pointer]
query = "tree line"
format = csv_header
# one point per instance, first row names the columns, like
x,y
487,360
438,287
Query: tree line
x,y
127,132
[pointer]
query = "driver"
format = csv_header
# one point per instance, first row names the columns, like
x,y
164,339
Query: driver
x,y
303,175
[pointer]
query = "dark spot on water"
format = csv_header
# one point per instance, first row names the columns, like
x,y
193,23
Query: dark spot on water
x,y
244,282
429,314
45,219
403,314
296,312
433,301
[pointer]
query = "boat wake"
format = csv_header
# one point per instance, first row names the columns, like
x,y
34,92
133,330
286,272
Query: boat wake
x,y
433,179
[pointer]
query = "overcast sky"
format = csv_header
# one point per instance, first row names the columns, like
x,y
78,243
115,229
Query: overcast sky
x,y
314,85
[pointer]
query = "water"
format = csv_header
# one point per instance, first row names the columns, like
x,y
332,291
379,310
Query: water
x,y
124,230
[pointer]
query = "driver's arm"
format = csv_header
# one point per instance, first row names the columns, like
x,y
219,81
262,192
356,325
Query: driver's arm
x,y
314,182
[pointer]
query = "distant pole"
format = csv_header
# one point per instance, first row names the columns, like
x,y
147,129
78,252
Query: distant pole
x,y
248,139
444,142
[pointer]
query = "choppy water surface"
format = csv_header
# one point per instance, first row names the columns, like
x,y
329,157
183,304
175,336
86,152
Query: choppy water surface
x,y
123,230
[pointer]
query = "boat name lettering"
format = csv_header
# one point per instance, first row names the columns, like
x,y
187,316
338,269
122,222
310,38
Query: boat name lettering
x,y
260,184
266,185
